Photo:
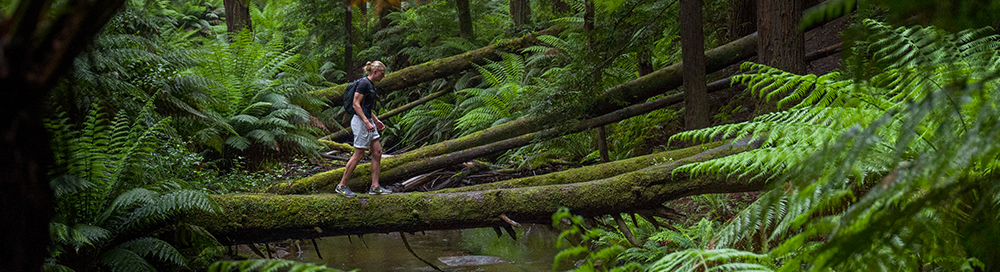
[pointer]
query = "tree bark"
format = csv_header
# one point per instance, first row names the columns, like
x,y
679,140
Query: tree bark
x,y
36,49
520,13
696,112
352,73
782,44
443,67
465,20
588,22
588,173
645,62
262,217
742,18
560,6
237,15
383,21
602,144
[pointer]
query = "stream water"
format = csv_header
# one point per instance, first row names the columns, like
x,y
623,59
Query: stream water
x,y
450,250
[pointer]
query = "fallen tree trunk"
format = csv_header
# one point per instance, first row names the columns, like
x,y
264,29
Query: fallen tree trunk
x,y
587,173
337,146
443,67
261,217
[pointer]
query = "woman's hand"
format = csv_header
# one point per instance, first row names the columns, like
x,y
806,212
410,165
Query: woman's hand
x,y
369,127
379,124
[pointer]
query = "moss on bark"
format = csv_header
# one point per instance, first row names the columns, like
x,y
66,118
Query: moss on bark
x,y
337,146
593,172
263,217
443,67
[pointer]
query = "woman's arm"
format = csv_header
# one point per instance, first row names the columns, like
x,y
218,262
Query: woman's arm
x,y
357,111
378,123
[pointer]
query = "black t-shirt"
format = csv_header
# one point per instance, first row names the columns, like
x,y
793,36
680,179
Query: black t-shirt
x,y
366,88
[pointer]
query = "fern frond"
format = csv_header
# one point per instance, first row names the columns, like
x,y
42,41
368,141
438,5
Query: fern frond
x,y
160,249
122,260
711,260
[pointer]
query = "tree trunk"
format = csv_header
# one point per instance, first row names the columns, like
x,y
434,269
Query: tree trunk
x,y
602,144
36,49
237,16
443,67
645,62
588,22
742,18
693,52
352,73
520,13
261,218
782,44
588,173
383,21
465,20
560,6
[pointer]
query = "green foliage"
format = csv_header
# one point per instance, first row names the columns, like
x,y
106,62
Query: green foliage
x,y
501,102
262,97
711,260
111,184
950,15
596,258
888,169
131,62
268,266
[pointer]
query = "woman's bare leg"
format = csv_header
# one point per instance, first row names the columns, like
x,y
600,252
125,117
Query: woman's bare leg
x,y
376,161
351,163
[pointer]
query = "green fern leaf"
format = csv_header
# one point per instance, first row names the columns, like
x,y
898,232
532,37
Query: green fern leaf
x,y
160,249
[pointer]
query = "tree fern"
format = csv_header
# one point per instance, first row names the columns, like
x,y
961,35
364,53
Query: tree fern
x,y
264,94
882,171
112,184
499,103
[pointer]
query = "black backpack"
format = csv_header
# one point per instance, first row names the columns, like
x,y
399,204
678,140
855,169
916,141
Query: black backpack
x,y
349,97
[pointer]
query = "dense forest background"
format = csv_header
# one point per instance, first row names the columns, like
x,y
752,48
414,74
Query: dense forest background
x,y
806,135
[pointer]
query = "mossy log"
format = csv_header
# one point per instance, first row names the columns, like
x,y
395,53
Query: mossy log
x,y
263,217
442,67
337,146
587,173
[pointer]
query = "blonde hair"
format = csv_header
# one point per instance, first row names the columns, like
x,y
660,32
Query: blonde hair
x,y
371,66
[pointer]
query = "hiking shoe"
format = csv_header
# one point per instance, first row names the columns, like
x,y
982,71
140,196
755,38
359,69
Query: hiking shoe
x,y
345,191
378,191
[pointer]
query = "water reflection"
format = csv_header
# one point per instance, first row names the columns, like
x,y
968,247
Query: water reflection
x,y
534,250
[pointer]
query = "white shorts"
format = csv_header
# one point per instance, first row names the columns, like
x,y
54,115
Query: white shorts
x,y
362,137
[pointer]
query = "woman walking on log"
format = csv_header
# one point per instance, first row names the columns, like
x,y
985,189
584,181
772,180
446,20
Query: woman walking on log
x,y
365,126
